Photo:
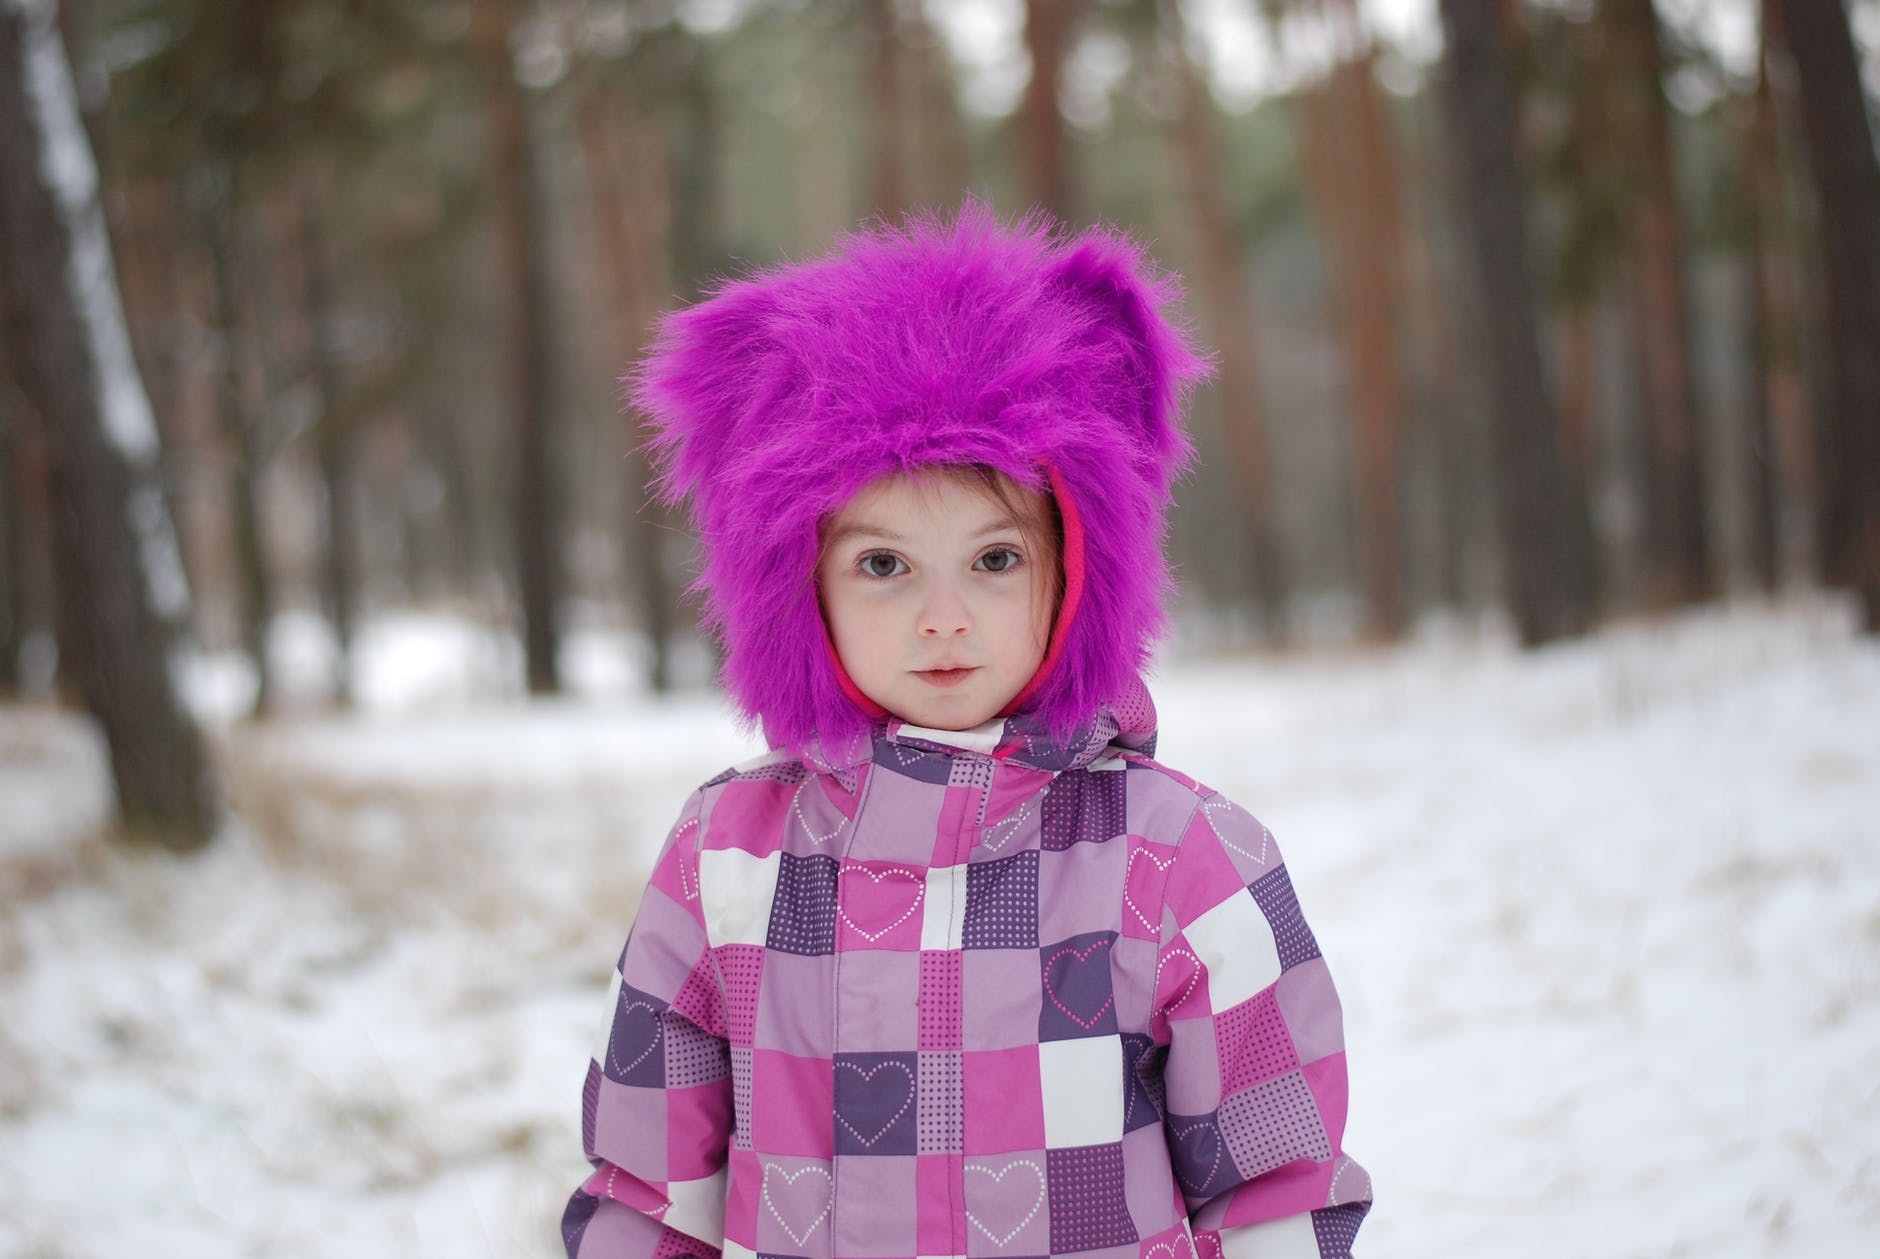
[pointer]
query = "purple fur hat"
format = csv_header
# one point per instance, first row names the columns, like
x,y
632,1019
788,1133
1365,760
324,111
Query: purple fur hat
x,y
955,341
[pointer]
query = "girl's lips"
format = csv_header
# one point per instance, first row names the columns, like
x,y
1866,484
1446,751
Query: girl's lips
x,y
943,677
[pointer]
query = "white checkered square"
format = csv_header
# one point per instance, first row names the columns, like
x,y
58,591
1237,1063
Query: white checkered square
x,y
943,909
1235,942
1083,1100
735,891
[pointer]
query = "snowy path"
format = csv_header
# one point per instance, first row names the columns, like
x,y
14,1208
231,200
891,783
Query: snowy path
x,y
1606,919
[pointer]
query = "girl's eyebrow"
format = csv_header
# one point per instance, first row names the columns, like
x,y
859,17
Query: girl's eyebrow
x,y
868,529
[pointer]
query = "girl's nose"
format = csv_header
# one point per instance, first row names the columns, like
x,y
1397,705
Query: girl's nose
x,y
944,614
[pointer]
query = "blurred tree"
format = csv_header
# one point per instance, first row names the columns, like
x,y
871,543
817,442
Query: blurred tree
x,y
1780,436
122,590
1679,568
1543,522
12,542
515,190
1352,172
888,107
1840,145
622,119
1043,148
1227,309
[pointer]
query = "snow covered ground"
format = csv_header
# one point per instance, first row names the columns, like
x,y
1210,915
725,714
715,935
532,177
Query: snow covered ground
x,y
1606,918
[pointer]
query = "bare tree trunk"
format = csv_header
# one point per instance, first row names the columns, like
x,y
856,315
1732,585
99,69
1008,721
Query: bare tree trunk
x,y
12,543
1678,537
1840,146
1359,203
515,188
1044,148
1231,319
888,133
943,170
240,430
122,588
631,229
1543,523
333,436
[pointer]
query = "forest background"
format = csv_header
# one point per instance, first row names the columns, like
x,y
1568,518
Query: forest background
x,y
1555,325
1530,572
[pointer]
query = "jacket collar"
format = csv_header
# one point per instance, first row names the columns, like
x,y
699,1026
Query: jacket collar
x,y
1022,740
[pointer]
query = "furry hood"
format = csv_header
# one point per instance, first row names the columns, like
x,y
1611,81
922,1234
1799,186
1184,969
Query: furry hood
x,y
964,340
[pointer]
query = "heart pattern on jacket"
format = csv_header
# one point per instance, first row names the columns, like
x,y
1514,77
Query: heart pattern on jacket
x,y
876,918
1059,982
868,1075
998,1178
791,1213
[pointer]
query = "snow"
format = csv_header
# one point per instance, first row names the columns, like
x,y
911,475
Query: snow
x,y
1606,918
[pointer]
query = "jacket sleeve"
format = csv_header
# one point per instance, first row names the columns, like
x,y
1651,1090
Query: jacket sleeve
x,y
656,1110
1254,1074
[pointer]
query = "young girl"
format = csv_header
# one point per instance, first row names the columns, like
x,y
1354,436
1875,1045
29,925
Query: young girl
x,y
958,969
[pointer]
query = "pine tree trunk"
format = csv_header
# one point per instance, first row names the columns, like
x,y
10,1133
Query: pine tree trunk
x,y
1846,176
122,589
1543,523
632,238
887,134
516,192
1044,148
1231,320
12,544
333,437
1678,537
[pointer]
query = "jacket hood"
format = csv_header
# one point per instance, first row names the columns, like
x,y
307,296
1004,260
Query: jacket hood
x,y
1053,358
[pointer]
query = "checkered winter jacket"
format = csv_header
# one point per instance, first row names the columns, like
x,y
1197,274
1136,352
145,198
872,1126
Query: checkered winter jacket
x,y
969,994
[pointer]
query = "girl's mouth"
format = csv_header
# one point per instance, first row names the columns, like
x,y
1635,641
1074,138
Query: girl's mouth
x,y
943,677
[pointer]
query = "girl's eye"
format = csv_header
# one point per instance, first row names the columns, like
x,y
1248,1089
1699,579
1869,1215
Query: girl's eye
x,y
999,559
883,564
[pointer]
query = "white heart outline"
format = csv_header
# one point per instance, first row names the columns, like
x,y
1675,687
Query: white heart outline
x,y
1194,975
659,1034
869,1075
1266,836
920,895
998,1177
1128,899
688,886
1181,1136
790,1178
1013,820
796,807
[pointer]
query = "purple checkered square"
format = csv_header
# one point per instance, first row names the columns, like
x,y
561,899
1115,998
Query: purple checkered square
x,y
693,1057
1088,1208
1002,903
937,1104
1274,892
1078,996
1273,1123
741,1097
1203,1166
912,762
1007,1207
803,913
1336,1228
1082,806
875,1103
1143,1100
636,1045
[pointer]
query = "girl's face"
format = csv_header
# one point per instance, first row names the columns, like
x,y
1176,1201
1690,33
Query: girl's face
x,y
938,596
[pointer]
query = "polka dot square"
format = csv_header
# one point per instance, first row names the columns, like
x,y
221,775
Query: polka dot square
x,y
1272,1124
742,966
803,915
1084,807
937,1122
1274,891
940,1011
1253,1042
1002,903
1088,1209
693,1057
